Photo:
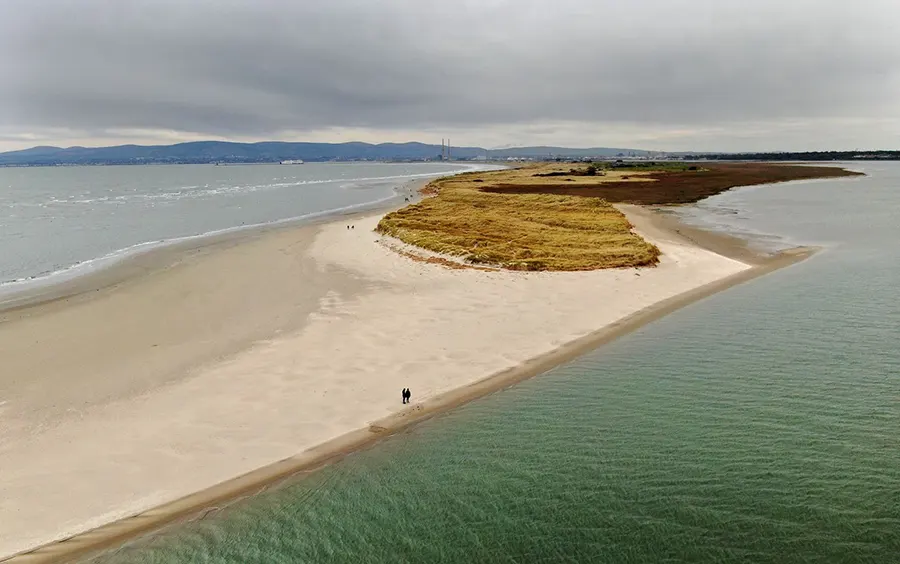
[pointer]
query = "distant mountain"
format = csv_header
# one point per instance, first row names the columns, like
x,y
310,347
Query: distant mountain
x,y
199,152
34,152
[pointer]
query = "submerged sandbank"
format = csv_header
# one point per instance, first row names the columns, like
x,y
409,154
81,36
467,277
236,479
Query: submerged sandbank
x,y
360,323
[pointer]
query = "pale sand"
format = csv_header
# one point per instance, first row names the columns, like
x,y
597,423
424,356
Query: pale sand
x,y
113,428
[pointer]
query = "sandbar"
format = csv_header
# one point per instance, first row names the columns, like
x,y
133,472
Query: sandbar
x,y
231,368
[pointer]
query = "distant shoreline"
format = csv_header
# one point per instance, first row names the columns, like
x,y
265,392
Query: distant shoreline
x,y
224,152
493,162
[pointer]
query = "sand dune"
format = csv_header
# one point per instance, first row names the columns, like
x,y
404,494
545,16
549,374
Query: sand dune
x,y
377,322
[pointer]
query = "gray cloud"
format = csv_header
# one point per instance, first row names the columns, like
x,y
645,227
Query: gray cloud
x,y
260,67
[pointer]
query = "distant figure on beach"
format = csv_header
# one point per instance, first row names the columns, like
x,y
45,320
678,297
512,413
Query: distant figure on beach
x,y
408,395
403,394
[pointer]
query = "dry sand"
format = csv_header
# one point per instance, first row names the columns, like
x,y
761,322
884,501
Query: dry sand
x,y
247,354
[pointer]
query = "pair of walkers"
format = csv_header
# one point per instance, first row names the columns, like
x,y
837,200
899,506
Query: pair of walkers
x,y
406,394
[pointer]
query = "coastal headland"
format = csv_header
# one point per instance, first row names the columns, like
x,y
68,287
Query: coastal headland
x,y
223,369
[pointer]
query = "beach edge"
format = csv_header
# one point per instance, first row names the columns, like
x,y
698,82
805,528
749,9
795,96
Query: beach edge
x,y
163,254
195,505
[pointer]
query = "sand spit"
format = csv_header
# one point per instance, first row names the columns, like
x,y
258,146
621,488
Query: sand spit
x,y
332,377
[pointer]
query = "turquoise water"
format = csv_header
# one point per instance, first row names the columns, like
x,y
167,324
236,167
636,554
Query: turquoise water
x,y
759,425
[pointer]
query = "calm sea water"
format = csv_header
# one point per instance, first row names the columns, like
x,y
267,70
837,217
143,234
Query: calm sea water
x,y
759,425
54,218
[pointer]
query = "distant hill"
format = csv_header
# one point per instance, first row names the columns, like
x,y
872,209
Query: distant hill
x,y
273,151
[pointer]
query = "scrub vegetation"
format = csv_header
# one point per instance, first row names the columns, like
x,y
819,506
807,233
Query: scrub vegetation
x,y
559,216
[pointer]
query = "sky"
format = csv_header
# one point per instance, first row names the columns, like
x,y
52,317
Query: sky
x,y
668,75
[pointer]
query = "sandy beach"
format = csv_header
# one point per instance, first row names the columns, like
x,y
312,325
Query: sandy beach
x,y
273,353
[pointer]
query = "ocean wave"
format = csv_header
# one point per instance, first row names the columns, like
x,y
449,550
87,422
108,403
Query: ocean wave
x,y
68,272
81,268
205,191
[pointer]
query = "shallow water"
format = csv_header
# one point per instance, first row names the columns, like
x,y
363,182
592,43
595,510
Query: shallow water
x,y
759,425
52,218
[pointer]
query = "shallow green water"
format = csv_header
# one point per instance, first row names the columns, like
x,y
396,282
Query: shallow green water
x,y
760,425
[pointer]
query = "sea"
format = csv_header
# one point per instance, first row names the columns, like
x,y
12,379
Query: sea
x,y
761,424
58,223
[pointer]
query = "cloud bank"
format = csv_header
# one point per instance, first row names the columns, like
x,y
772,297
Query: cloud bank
x,y
668,74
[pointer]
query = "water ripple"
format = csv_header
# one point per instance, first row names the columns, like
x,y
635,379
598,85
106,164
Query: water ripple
x,y
760,425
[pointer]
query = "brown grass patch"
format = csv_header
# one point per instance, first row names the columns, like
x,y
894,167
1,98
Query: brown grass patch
x,y
671,187
533,218
518,231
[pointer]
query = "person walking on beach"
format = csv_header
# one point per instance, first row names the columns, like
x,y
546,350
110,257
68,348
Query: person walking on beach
x,y
408,395
403,395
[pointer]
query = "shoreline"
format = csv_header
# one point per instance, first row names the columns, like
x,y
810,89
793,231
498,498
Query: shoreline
x,y
125,264
125,268
196,504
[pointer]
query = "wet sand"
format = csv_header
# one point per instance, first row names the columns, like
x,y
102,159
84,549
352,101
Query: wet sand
x,y
245,362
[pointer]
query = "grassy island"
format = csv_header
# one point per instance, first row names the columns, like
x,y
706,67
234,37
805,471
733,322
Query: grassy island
x,y
559,216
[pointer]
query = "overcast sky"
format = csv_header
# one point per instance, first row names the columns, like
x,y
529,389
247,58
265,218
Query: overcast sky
x,y
652,74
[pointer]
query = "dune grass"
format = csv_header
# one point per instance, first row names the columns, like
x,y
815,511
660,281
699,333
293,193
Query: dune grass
x,y
520,231
557,216
662,183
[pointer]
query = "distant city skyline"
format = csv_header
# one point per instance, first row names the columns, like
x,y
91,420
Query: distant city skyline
x,y
662,75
